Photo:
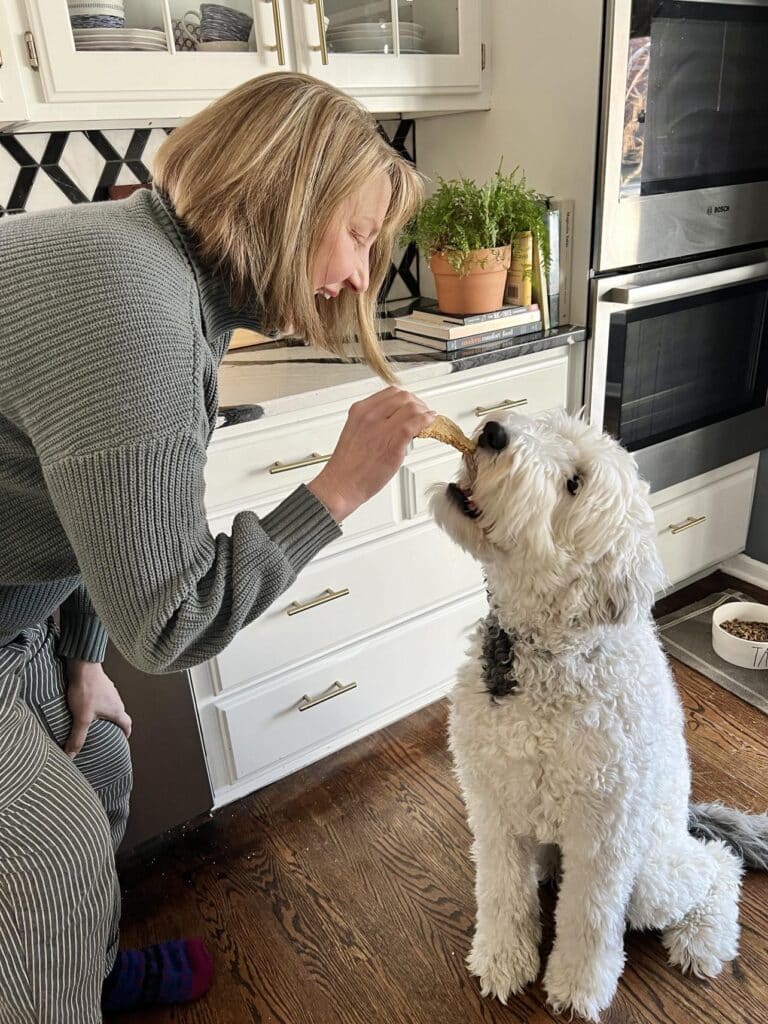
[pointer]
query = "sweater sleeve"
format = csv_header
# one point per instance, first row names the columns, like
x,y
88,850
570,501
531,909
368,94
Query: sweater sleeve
x,y
169,593
82,632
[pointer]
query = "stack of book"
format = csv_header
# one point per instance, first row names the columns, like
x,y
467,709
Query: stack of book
x,y
449,332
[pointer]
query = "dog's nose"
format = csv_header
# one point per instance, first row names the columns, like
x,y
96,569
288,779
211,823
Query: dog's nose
x,y
493,435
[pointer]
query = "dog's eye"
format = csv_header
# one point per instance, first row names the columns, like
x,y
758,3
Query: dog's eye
x,y
573,484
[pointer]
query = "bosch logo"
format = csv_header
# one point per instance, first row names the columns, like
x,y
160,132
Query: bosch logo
x,y
718,209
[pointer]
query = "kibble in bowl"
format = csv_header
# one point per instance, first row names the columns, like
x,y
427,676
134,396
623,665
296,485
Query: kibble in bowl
x,y
740,633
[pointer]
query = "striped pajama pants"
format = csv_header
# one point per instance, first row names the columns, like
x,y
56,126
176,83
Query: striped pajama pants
x,y
60,824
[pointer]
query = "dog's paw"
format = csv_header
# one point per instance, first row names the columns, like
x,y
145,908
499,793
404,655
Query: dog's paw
x,y
581,987
503,969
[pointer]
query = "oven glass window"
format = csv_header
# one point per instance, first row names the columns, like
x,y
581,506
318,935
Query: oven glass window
x,y
683,364
696,101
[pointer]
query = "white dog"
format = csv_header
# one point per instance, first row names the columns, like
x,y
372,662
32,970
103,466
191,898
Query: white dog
x,y
566,727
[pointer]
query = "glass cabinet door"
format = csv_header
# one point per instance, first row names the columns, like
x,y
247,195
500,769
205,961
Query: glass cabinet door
x,y
153,49
421,27
415,44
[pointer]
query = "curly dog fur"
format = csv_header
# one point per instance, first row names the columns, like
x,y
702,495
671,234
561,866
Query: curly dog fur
x,y
566,727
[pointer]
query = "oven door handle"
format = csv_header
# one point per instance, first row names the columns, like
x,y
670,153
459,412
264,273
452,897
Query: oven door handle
x,y
635,295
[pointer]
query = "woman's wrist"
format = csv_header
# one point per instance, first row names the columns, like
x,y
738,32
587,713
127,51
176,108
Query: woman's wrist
x,y
77,668
327,492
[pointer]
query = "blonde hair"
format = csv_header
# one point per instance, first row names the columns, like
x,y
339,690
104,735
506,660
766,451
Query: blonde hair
x,y
257,177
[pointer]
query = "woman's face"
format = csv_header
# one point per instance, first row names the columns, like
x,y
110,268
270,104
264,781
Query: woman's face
x,y
343,256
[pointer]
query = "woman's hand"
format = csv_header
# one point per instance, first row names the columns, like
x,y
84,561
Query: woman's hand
x,y
91,694
370,450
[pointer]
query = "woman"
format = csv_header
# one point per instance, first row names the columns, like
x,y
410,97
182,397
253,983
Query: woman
x,y
275,208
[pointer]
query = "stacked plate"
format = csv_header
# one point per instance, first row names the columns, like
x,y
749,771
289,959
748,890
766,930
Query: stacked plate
x,y
148,39
375,37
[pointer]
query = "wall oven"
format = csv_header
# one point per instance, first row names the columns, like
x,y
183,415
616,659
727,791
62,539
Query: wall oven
x,y
684,130
679,363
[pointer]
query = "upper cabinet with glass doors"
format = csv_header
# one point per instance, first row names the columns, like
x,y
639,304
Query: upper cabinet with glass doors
x,y
381,46
153,60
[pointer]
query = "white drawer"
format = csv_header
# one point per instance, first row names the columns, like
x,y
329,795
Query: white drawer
x,y
541,387
246,468
383,583
704,526
379,512
265,725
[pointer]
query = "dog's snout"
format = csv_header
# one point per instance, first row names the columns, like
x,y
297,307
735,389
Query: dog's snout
x,y
494,436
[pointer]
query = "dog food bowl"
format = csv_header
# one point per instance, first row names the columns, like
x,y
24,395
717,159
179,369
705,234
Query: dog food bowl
x,y
744,653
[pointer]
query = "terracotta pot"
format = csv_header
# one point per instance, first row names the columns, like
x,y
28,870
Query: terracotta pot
x,y
479,291
520,271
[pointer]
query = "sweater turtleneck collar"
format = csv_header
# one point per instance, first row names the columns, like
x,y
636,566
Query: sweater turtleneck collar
x,y
219,315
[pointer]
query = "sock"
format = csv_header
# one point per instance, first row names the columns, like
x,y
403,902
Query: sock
x,y
170,972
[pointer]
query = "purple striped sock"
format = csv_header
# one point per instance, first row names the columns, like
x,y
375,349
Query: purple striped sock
x,y
170,972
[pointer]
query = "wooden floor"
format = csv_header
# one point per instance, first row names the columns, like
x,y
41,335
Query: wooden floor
x,y
343,895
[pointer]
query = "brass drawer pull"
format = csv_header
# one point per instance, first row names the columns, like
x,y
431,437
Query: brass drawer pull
x,y
323,47
689,522
313,460
336,690
279,43
506,404
325,597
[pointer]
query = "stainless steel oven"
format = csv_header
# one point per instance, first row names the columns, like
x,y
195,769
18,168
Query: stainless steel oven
x,y
679,363
684,130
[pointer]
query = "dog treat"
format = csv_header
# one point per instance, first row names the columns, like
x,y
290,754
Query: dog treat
x,y
757,631
445,430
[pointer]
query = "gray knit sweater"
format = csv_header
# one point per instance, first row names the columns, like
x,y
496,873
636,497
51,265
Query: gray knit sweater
x,y
111,334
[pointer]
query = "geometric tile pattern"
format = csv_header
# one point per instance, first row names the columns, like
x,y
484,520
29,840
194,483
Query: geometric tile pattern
x,y
402,281
58,168
42,170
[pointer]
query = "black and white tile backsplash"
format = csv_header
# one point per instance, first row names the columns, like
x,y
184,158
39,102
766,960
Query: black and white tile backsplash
x,y
42,170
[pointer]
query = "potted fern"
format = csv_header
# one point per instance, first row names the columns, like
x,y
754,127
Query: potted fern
x,y
466,231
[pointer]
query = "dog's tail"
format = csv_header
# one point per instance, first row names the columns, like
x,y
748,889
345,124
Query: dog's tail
x,y
746,834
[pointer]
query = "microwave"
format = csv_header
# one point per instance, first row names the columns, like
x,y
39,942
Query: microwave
x,y
679,364
683,131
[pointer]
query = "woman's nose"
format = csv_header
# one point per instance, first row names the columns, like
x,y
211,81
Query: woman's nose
x,y
494,436
359,279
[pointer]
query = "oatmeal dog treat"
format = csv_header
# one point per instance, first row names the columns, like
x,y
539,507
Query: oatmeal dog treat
x,y
445,430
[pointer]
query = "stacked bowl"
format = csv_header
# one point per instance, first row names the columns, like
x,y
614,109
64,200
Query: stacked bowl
x,y
96,15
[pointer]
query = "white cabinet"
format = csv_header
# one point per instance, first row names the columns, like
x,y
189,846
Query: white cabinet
x,y
422,47
341,698
428,57
71,75
13,105
703,521
377,625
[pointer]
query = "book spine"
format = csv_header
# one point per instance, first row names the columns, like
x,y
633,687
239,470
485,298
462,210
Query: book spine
x,y
540,284
566,208
486,338
445,332
490,337
473,318
553,274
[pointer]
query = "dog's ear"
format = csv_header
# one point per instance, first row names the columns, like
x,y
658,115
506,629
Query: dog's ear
x,y
625,584
615,533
